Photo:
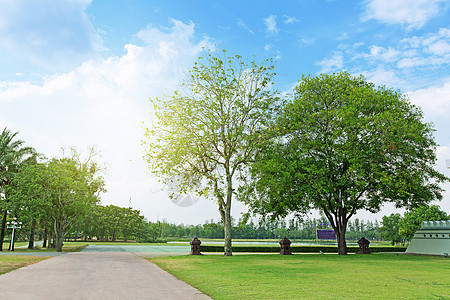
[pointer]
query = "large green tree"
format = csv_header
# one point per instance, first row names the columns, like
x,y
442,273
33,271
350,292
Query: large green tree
x,y
208,132
63,189
345,145
13,154
389,229
412,220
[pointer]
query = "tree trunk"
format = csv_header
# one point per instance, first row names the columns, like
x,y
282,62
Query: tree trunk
x,y
340,227
227,231
342,244
51,240
31,242
59,231
2,233
45,237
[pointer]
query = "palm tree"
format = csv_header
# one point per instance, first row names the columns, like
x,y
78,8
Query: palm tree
x,y
12,156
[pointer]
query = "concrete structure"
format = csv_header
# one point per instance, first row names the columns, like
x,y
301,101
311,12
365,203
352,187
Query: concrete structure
x,y
432,238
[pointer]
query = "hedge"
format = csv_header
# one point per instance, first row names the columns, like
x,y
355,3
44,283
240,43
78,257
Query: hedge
x,y
298,249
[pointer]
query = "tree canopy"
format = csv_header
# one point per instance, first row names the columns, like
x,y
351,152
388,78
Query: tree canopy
x,y
390,230
63,189
412,220
345,145
13,154
208,132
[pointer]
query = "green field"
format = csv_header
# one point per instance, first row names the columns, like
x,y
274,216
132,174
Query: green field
x,y
78,246
312,276
12,262
16,244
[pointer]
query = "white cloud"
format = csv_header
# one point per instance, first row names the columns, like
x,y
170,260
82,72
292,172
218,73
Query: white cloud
x,y
412,62
429,53
432,43
103,102
381,76
47,33
435,100
439,48
271,24
381,53
304,42
342,36
334,63
290,20
409,13
243,25
432,49
443,154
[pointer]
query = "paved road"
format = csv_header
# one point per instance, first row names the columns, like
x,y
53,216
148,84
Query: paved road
x,y
144,251
36,243
95,275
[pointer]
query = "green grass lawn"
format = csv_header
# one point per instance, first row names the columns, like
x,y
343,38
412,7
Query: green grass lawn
x,y
16,244
12,262
67,247
78,246
312,276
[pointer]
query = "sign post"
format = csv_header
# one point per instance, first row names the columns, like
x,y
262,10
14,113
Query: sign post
x,y
14,225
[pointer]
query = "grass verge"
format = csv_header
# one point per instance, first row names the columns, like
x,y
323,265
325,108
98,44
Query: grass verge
x,y
12,262
311,276
67,247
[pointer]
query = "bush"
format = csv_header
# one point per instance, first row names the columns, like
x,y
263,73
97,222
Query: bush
x,y
298,249
150,240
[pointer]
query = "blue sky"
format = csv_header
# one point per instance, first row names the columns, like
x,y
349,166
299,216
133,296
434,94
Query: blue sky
x,y
80,72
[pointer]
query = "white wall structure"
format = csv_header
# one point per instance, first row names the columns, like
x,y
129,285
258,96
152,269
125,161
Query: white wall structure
x,y
432,238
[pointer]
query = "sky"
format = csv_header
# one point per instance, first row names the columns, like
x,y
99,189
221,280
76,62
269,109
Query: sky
x,y
81,72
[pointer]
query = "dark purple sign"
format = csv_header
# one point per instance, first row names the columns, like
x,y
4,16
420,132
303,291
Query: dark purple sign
x,y
326,234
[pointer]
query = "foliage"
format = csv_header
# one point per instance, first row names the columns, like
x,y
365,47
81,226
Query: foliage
x,y
375,276
64,189
253,229
152,232
390,228
412,220
109,222
345,145
12,156
206,134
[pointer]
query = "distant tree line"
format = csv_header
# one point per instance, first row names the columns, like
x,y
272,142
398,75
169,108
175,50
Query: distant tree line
x,y
393,228
254,229
108,223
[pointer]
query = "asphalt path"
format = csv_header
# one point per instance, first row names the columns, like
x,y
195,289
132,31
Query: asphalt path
x,y
37,243
97,275
154,250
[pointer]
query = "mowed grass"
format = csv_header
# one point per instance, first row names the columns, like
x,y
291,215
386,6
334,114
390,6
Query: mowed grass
x,y
16,244
311,276
78,246
67,247
12,262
